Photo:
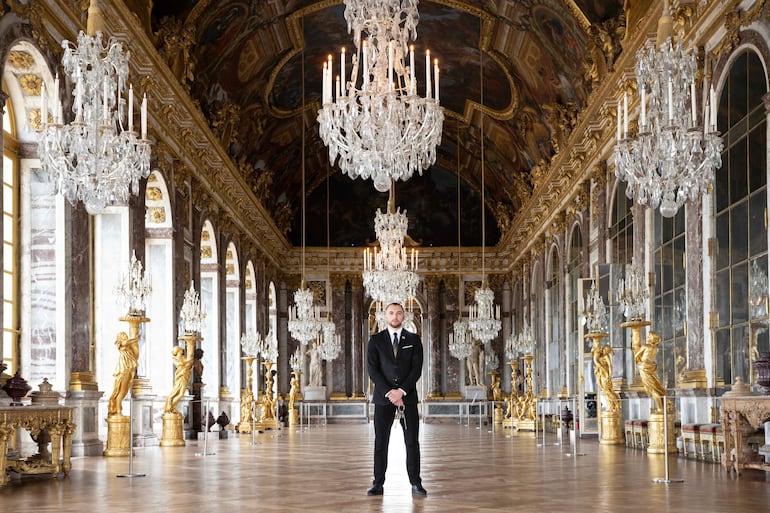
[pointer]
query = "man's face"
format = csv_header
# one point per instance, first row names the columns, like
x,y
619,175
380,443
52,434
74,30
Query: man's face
x,y
394,315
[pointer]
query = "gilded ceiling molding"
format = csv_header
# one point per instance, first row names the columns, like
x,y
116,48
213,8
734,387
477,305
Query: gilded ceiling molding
x,y
578,14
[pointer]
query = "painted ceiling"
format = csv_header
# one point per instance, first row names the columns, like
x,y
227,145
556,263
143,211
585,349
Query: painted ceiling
x,y
244,62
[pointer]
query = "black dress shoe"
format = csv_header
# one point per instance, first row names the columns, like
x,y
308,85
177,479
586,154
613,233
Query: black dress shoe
x,y
375,490
419,490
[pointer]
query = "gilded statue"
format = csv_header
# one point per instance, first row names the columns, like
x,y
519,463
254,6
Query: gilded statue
x,y
644,356
128,359
268,402
184,365
293,391
602,356
497,393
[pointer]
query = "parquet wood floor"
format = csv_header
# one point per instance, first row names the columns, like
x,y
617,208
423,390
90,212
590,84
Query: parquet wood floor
x,y
328,469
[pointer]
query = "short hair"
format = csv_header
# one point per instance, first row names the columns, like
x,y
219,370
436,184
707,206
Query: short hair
x,y
396,304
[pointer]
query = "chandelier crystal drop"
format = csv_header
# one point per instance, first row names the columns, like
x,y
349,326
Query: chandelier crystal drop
x,y
594,312
99,156
484,317
191,316
673,158
390,273
633,294
134,287
378,126
330,343
304,318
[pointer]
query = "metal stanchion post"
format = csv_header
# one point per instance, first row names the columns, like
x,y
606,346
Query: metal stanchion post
x,y
666,479
131,440
205,433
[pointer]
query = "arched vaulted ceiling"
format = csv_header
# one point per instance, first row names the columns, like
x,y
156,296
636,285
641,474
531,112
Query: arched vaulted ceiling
x,y
242,61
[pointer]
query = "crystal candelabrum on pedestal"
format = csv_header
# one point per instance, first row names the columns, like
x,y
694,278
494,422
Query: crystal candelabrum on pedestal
x,y
99,156
521,408
132,292
378,126
610,416
190,324
250,346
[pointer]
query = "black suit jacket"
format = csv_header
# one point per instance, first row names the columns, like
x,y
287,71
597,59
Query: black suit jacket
x,y
388,371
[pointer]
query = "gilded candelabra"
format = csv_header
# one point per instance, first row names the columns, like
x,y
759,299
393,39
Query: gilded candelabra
x,y
246,425
267,419
172,435
609,418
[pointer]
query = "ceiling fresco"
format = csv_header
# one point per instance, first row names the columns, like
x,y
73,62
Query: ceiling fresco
x,y
254,67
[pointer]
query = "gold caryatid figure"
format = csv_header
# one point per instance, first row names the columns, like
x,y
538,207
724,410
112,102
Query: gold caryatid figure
x,y
184,364
602,356
644,356
128,359
293,391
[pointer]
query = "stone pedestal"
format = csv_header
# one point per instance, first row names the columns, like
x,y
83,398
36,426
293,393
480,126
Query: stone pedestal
x,y
314,393
85,407
612,431
172,430
118,435
475,393
656,427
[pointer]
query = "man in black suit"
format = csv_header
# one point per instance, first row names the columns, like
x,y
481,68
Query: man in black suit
x,y
394,360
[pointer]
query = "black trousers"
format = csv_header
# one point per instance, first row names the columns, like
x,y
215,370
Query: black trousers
x,y
410,424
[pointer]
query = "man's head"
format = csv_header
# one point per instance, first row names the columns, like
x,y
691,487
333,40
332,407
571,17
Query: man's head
x,y
394,315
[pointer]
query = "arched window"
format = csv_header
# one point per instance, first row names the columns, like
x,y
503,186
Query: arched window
x,y
621,227
232,351
159,258
209,294
555,376
537,309
740,210
574,264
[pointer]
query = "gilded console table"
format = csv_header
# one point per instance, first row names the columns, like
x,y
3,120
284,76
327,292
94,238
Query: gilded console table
x,y
741,416
45,423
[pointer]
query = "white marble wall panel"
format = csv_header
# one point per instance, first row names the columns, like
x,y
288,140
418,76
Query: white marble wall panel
x,y
39,282
157,358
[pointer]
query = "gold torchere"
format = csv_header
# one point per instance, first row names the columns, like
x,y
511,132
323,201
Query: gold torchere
x,y
610,419
118,425
636,326
659,421
511,399
173,435
267,419
523,416
246,425
496,396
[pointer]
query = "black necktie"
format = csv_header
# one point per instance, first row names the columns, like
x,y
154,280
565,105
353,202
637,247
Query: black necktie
x,y
395,344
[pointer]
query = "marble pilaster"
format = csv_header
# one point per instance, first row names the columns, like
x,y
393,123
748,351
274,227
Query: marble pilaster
x,y
358,338
85,437
338,376
694,280
431,338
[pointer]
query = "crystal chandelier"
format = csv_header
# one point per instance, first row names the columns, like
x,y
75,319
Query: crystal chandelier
x,y
390,274
304,318
330,343
594,311
460,341
378,126
134,287
191,316
268,347
95,158
633,294
673,158
484,317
